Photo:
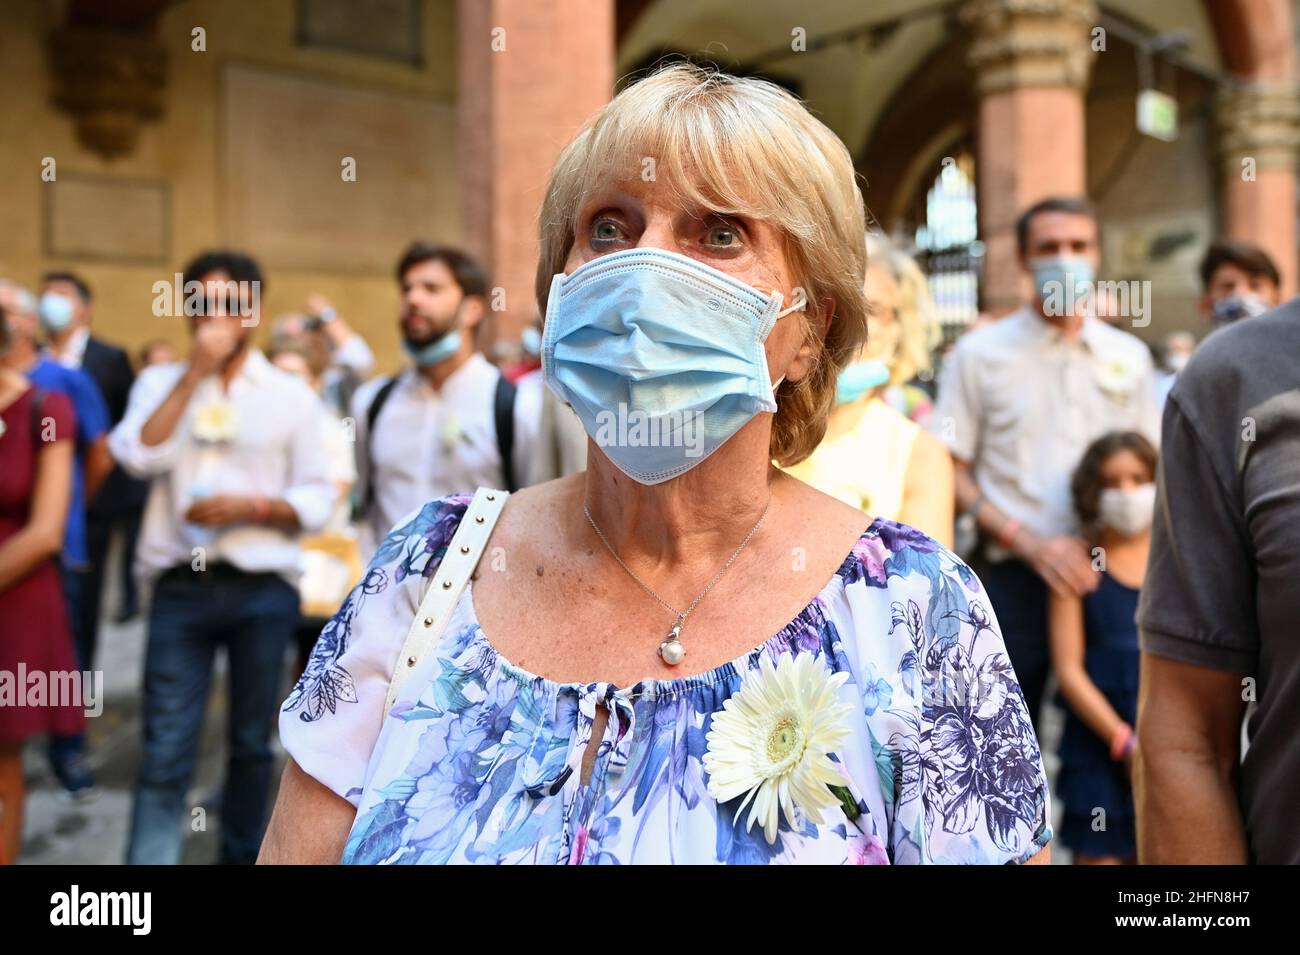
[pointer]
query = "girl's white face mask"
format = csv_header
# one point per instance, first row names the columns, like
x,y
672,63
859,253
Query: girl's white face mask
x,y
1128,511
661,357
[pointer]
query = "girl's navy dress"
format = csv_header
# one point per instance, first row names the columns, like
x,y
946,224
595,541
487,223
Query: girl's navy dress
x,y
1089,778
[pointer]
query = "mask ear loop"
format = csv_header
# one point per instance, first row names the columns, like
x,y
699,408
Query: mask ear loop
x,y
800,303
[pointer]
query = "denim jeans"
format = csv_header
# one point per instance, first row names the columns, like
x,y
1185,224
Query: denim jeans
x,y
1019,598
253,616
63,749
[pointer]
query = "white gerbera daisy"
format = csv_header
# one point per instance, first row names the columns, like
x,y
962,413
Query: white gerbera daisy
x,y
773,741
215,422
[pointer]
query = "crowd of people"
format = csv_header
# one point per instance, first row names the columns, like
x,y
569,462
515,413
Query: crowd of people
x,y
250,484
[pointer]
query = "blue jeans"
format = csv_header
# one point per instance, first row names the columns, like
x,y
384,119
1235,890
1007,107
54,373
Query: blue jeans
x,y
253,616
63,749
1019,598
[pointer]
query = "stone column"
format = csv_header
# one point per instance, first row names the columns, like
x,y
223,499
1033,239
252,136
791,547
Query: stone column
x,y
1030,60
1259,142
529,75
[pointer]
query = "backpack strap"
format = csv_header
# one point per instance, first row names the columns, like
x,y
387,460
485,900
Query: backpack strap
x,y
503,410
372,415
443,591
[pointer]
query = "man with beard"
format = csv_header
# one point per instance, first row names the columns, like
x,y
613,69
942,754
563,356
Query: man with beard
x,y
448,423
232,445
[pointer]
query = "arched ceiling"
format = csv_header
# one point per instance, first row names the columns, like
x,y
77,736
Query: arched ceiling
x,y
850,84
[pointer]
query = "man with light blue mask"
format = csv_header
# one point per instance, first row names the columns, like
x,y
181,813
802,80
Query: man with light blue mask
x,y
450,421
1019,401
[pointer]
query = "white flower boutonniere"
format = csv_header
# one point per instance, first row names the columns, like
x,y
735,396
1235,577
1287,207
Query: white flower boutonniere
x,y
1117,378
773,740
215,422
451,432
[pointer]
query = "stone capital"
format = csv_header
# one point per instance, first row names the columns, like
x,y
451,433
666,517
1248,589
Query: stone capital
x,y
1029,43
1260,121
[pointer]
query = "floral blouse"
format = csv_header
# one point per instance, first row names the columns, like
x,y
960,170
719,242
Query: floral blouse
x,y
935,760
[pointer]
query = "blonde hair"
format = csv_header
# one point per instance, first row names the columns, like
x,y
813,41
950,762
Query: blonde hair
x,y
740,147
918,319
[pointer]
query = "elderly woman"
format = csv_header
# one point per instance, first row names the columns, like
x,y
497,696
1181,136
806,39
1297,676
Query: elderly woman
x,y
681,654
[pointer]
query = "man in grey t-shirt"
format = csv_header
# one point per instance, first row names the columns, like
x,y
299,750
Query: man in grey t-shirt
x,y
1220,607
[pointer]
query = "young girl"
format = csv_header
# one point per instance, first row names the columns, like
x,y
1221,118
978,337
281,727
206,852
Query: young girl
x,y
1094,644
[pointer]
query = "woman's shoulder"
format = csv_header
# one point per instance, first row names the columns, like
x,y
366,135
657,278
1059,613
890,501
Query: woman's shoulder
x,y
890,555
907,598
418,541
45,407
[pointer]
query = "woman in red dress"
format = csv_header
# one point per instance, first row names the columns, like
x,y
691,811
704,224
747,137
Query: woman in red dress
x,y
37,433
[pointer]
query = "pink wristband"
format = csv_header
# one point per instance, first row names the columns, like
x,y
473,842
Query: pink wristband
x,y
1122,742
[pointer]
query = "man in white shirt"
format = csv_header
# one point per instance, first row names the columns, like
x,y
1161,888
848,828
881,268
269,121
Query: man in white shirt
x,y
232,445
1020,400
450,422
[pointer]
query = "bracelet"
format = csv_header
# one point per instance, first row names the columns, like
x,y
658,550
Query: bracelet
x,y
974,509
261,509
1007,534
1122,742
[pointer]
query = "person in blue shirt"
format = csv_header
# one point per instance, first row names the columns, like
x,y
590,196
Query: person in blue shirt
x,y
92,465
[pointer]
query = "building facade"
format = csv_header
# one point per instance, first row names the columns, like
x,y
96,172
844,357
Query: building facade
x,y
324,135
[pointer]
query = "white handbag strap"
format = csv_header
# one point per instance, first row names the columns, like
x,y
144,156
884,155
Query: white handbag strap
x,y
444,590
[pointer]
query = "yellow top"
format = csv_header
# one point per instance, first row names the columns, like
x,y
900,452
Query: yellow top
x,y
862,461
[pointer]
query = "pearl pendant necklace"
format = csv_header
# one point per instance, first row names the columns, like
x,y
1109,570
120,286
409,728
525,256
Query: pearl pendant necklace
x,y
671,650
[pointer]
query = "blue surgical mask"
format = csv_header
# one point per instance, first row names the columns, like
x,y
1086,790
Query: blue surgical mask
x,y
858,378
1233,308
1058,280
436,351
661,357
55,312
531,340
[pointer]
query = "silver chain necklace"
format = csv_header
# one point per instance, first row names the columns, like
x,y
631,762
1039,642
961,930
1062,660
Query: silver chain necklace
x,y
671,650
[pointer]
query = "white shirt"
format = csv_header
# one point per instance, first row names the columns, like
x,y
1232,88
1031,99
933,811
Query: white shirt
x,y
341,467
74,351
561,447
428,444
276,453
1021,404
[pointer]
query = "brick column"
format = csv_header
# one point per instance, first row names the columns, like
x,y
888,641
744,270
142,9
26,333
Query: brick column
x,y
1030,60
529,75
1259,142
